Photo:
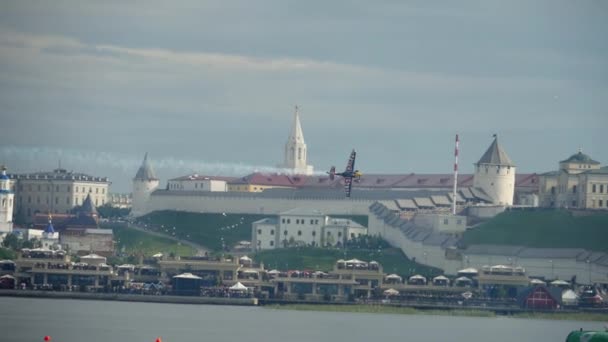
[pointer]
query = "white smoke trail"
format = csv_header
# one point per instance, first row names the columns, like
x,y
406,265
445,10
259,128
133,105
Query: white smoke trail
x,y
118,166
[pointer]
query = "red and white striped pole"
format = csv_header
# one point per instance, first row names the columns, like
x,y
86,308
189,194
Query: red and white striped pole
x,y
455,176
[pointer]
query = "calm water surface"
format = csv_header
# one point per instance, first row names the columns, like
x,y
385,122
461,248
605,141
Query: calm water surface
x,y
28,319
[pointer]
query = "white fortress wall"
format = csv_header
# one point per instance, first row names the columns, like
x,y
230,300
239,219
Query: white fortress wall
x,y
249,203
555,264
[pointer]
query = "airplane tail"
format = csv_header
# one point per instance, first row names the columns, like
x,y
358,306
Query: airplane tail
x,y
332,173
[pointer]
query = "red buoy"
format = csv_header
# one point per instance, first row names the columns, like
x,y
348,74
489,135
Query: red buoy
x,y
47,338
158,339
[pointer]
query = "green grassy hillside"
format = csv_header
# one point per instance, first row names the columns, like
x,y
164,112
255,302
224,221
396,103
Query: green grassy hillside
x,y
204,229
391,259
136,242
547,228
209,229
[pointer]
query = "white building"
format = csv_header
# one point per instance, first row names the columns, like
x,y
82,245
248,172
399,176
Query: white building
x,y
56,192
580,182
6,204
197,182
295,149
303,227
495,174
144,183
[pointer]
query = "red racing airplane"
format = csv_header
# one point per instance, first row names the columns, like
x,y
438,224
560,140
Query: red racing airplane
x,y
349,174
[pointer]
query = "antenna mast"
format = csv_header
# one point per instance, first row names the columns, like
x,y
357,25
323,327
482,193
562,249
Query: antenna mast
x,y
455,176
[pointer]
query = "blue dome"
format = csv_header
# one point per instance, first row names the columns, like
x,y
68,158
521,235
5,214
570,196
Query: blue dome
x,y
49,228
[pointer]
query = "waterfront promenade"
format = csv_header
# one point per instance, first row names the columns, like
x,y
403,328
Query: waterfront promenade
x,y
130,297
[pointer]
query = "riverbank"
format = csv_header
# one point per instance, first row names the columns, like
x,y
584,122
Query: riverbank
x,y
130,297
383,309
354,308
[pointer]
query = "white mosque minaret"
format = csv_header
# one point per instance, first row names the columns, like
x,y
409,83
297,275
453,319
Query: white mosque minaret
x,y
495,174
144,183
295,149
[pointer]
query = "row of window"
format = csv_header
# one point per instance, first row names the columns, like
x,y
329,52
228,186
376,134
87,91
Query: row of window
x,y
67,201
600,187
600,203
82,189
314,233
300,221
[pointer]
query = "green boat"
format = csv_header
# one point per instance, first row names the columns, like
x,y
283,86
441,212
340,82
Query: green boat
x,y
587,336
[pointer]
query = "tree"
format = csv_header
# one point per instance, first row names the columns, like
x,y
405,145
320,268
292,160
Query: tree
x,y
33,243
12,241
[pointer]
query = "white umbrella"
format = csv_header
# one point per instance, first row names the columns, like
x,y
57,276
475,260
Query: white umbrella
x,y
391,292
467,295
569,297
274,272
560,283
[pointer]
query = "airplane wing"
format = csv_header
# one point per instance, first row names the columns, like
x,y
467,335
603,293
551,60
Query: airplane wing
x,y
348,185
350,166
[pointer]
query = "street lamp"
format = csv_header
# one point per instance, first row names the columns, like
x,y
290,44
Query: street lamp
x,y
552,270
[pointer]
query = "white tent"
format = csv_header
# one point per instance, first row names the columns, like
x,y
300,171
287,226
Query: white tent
x,y
245,258
569,297
537,282
391,292
394,277
441,280
463,281
468,271
238,287
187,276
417,280
560,283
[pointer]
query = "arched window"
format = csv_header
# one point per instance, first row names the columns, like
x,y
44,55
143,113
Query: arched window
x,y
299,153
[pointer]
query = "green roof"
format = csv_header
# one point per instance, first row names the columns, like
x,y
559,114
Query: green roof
x,y
580,157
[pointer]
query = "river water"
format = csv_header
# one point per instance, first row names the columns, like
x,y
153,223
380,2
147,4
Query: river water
x,y
65,320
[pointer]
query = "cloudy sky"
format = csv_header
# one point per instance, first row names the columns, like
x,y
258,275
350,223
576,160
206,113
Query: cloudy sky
x,y
210,86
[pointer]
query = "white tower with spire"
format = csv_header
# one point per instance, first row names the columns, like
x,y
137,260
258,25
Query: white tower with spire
x,y
295,149
6,204
495,174
144,183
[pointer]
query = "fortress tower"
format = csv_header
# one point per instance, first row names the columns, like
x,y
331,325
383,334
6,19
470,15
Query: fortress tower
x,y
495,174
295,149
144,183
6,204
